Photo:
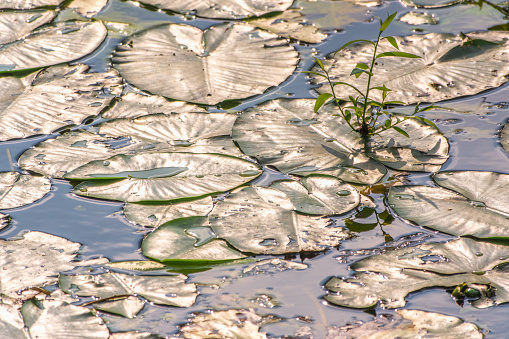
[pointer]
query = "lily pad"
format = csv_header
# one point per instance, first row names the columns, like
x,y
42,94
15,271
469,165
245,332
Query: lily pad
x,y
152,215
35,260
227,9
288,135
162,176
132,105
389,277
409,324
474,203
16,25
263,220
11,323
58,97
28,4
451,66
224,62
137,265
169,290
88,8
51,45
52,319
417,18
127,307
188,239
18,189
4,220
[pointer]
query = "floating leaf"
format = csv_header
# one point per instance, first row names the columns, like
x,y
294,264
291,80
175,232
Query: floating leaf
x,y
479,209
188,239
162,176
288,135
329,15
51,45
449,67
227,9
133,335
53,319
35,260
227,61
416,18
59,96
18,189
139,265
430,4
504,138
271,264
169,290
389,277
4,220
226,324
88,8
263,220
16,25
408,324
24,4
132,105
11,323
152,215
127,307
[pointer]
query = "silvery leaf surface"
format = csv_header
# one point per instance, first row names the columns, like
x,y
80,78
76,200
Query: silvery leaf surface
x,y
263,220
224,62
51,45
227,9
474,203
449,67
11,322
388,278
165,290
28,4
59,96
162,176
16,25
18,189
128,307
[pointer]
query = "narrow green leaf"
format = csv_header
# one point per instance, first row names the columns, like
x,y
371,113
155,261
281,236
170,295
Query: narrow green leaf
x,y
322,98
347,84
353,42
315,73
357,72
387,124
381,88
399,130
427,108
319,63
426,121
387,21
362,66
348,116
392,41
395,103
397,54
353,100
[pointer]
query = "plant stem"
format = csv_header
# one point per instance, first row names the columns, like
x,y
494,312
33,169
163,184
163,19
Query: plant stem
x,y
365,128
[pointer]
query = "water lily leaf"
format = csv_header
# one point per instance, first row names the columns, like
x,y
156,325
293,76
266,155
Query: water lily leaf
x,y
18,189
408,324
133,105
133,335
389,277
330,15
290,24
274,264
320,195
16,25
263,220
11,322
227,61
88,8
53,319
177,132
169,290
35,260
28,4
188,239
450,67
162,176
151,215
128,307
227,9
51,45
288,135
4,220
504,138
479,208
137,265
416,18
59,96
429,4
226,324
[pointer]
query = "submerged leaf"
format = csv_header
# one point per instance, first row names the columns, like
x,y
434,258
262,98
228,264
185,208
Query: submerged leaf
x,y
51,45
448,67
481,209
35,260
263,220
389,277
18,189
408,324
226,9
188,240
58,96
227,61
169,290
162,176
288,135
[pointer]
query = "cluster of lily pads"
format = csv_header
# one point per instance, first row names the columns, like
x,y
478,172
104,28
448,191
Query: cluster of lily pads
x,y
189,173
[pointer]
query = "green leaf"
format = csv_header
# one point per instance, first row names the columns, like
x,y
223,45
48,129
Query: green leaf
x,y
348,116
427,121
353,42
357,72
387,22
353,100
322,98
319,62
427,108
392,41
399,130
397,54
395,103
381,88
362,66
347,84
387,124
314,73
